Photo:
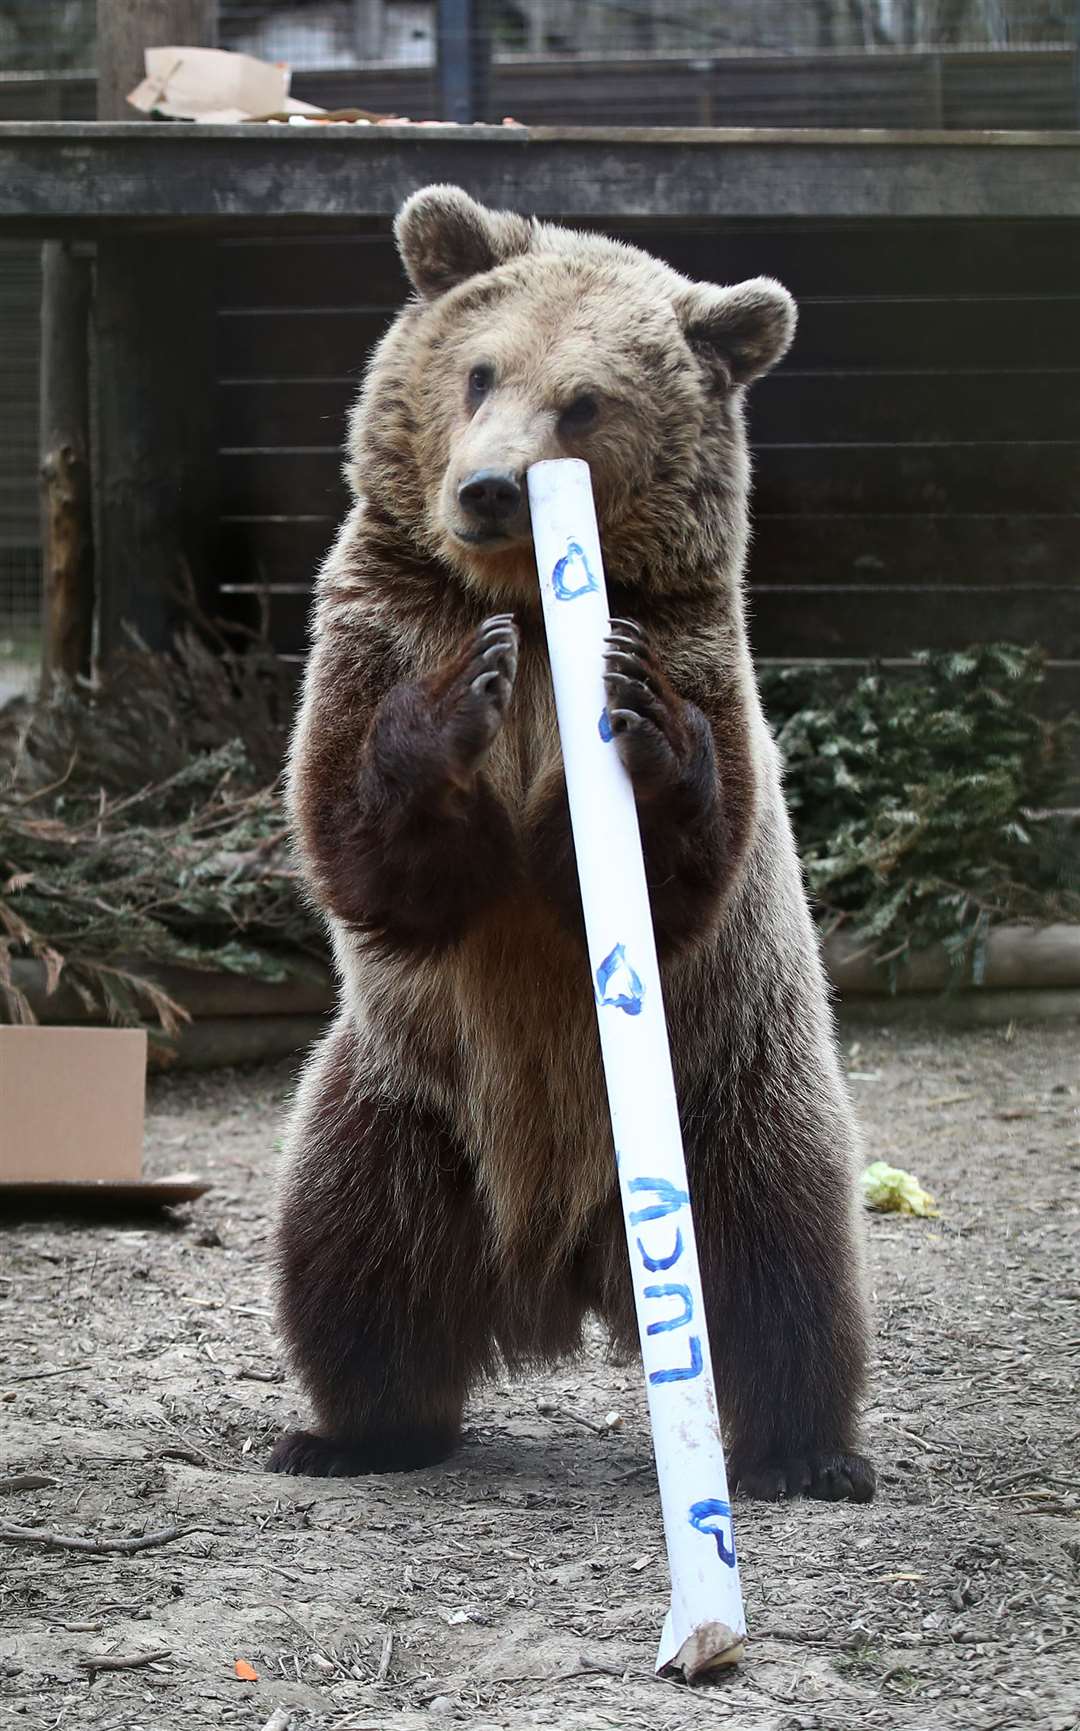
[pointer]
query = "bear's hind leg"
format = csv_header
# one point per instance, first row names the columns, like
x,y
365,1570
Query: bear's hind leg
x,y
786,1310
787,1328
384,1292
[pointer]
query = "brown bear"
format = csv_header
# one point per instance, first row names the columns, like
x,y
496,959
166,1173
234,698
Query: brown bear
x,y
450,1199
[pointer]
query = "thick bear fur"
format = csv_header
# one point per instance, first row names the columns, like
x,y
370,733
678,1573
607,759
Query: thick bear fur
x,y
450,1198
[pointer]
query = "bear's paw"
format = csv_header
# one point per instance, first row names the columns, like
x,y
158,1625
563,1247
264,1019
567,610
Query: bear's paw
x,y
303,1454
834,1478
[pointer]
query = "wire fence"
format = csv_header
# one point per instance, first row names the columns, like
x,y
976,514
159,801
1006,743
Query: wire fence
x,y
20,522
59,35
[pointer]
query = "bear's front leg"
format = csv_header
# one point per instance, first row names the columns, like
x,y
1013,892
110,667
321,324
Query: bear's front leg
x,y
427,844
689,835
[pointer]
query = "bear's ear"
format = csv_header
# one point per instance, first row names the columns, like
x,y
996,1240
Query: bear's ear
x,y
744,329
445,237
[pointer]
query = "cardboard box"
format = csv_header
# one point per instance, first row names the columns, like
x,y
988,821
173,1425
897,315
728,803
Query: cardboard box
x,y
71,1105
213,85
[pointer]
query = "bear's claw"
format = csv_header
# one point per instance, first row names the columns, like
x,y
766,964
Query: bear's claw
x,y
477,700
832,1478
641,709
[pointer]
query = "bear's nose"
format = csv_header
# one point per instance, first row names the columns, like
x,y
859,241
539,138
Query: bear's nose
x,y
493,495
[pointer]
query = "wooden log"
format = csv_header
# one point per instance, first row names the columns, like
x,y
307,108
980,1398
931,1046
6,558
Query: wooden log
x,y
219,1041
64,421
1042,958
959,1009
308,991
125,31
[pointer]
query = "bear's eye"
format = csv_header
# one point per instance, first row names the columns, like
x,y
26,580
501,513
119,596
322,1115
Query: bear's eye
x,y
579,413
481,380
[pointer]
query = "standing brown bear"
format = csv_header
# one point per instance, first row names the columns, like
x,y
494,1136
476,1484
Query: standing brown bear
x,y
451,1197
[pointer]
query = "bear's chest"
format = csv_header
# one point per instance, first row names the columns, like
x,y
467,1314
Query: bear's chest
x,y
525,756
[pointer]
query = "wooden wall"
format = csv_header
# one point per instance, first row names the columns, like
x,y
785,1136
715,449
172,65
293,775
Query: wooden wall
x,y
916,456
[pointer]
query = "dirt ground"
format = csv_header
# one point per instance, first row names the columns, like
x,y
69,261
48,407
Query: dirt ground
x,y
523,1584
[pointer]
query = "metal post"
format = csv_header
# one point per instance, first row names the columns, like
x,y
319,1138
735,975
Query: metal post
x,y
464,59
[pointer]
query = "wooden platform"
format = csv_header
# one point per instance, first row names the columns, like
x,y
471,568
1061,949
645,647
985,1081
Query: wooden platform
x,y
65,177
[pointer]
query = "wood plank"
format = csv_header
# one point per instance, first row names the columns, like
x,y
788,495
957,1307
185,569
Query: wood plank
x,y
813,259
291,483
878,621
789,479
1025,551
20,333
786,407
286,615
155,461
1033,89
284,412
914,552
1032,331
831,622
856,90
222,177
915,408
850,259
322,270
1012,478
1040,333
274,549
300,343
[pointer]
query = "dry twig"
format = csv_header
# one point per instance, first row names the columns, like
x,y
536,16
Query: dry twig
x,y
123,1661
94,1547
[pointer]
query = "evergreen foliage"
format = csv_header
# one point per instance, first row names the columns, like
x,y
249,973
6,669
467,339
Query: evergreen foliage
x,y
141,820
923,803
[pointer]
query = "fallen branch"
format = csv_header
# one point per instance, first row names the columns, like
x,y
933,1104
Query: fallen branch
x,y
385,1657
40,1375
279,1720
94,1547
123,1661
27,1482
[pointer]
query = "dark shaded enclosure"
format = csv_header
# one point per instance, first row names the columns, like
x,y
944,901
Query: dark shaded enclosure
x,y
917,481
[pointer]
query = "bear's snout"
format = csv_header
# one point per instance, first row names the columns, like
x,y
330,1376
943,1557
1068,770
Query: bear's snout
x,y
491,497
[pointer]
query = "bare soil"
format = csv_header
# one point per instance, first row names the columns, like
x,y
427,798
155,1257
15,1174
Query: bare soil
x,y
524,1583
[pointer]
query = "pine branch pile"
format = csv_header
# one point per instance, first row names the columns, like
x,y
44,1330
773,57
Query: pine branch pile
x,y
142,819
923,804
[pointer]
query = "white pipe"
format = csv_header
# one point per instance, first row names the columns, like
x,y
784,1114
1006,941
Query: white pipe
x,y
705,1626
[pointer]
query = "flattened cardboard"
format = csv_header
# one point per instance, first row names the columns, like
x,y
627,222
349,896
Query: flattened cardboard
x,y
213,85
109,1199
72,1103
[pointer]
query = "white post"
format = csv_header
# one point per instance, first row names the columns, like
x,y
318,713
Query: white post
x,y
705,1626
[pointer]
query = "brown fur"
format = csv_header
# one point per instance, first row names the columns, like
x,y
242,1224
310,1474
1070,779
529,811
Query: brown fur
x,y
451,1191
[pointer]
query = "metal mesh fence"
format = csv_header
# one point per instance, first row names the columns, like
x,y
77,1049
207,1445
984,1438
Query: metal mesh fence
x,y
59,35
47,35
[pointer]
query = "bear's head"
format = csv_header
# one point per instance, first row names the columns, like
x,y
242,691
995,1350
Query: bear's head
x,y
525,341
